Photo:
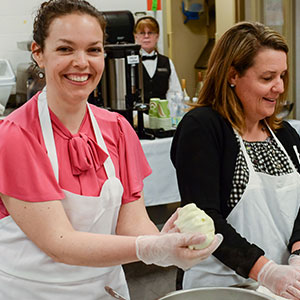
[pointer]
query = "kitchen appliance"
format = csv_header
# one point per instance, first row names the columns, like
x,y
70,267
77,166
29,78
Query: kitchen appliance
x,y
121,86
216,293
30,79
22,83
7,82
122,74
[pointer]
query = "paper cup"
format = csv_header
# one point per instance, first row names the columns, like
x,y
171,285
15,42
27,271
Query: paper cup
x,y
163,109
164,123
153,110
153,122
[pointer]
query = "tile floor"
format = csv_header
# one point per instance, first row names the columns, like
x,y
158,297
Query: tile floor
x,y
149,282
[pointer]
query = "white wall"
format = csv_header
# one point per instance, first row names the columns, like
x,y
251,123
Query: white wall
x,y
16,20
225,16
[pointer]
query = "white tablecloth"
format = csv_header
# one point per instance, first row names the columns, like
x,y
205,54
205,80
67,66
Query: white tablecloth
x,y
161,186
295,124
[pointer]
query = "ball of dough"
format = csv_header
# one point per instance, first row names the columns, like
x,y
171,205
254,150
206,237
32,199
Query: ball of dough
x,y
193,219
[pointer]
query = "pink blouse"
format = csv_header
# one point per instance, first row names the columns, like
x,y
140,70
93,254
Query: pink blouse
x,y
26,172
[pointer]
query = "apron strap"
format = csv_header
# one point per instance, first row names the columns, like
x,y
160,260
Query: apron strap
x,y
48,136
297,153
108,164
47,130
283,149
248,160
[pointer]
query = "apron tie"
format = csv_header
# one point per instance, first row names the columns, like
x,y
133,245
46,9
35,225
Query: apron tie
x,y
85,154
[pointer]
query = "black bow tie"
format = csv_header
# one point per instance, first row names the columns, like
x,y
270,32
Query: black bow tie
x,y
150,57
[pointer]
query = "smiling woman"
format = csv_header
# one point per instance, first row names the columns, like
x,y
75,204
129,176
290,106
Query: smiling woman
x,y
71,177
259,88
236,159
73,60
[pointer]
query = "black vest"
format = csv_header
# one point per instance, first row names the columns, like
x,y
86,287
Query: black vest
x,y
158,85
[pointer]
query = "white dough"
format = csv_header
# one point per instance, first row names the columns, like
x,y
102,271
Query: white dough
x,y
193,219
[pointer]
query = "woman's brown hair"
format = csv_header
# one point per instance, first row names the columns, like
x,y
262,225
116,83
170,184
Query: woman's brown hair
x,y
238,48
53,9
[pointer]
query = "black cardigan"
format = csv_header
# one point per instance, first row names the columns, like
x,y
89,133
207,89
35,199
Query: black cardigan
x,y
204,152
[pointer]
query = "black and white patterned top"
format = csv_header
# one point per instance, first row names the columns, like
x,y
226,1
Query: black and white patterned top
x,y
266,157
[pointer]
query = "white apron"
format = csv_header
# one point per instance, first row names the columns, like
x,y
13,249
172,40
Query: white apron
x,y
27,273
264,215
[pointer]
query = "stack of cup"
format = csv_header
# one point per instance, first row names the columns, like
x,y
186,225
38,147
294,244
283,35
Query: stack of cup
x,y
159,114
153,113
164,118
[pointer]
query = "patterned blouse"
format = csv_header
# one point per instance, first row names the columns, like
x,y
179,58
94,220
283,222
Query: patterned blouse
x,y
266,156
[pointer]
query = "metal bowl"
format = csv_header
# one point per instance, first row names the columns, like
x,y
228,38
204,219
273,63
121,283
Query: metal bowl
x,y
286,109
216,293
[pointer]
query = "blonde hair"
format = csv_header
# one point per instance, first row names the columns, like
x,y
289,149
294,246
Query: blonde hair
x,y
144,22
238,48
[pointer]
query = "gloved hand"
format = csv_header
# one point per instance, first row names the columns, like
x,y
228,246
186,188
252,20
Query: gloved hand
x,y
282,280
294,261
172,249
170,227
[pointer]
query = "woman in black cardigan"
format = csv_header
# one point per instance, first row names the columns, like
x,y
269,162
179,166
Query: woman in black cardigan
x,y
239,162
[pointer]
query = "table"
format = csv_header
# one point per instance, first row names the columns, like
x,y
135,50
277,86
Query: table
x,y
295,124
161,186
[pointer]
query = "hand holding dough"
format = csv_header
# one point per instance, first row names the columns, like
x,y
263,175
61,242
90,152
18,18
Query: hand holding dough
x,y
192,219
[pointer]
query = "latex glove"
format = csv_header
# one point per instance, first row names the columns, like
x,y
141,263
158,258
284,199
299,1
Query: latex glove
x,y
170,227
172,249
294,261
282,280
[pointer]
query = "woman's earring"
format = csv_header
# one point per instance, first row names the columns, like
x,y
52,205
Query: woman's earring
x,y
41,74
232,85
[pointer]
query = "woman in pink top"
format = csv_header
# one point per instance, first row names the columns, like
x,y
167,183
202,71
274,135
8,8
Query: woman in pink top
x,y
71,179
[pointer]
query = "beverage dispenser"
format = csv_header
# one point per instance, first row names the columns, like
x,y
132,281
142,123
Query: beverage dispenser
x,y
121,86
123,78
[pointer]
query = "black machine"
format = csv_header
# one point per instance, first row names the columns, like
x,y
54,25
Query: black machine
x,y
121,86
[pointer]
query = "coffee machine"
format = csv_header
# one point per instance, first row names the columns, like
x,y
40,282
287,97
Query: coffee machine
x,y
121,85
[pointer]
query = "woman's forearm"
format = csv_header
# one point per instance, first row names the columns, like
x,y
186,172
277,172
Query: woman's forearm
x,y
134,220
95,250
48,227
257,267
296,246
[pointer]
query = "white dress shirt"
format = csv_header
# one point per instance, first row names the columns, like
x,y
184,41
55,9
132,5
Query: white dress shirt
x,y
150,65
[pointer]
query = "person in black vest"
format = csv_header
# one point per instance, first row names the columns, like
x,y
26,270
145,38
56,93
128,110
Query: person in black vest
x,y
159,74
